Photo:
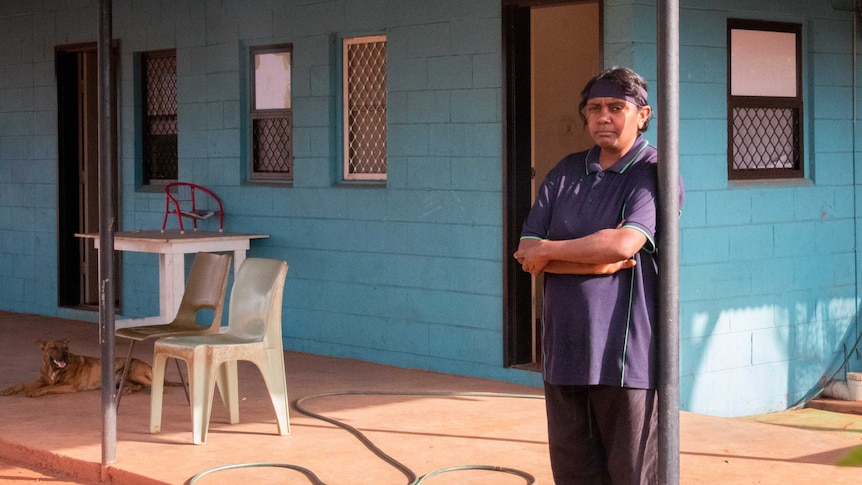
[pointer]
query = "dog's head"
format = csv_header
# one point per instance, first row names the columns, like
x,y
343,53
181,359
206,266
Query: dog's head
x,y
55,352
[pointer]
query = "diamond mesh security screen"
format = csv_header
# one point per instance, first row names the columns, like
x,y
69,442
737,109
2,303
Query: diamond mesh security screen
x,y
272,145
365,108
765,138
159,83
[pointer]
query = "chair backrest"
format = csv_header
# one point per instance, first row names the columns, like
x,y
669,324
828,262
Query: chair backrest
x,y
206,288
256,299
191,200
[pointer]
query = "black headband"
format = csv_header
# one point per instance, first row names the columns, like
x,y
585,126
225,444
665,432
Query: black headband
x,y
607,88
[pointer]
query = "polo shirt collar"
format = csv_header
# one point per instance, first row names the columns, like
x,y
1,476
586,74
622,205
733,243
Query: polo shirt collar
x,y
591,162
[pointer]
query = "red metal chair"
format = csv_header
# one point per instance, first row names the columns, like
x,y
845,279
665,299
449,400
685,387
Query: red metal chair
x,y
193,201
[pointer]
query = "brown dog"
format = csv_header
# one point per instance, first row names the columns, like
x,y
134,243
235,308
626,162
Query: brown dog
x,y
63,372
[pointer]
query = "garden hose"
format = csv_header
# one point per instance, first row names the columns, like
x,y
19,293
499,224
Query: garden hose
x,y
531,480
312,477
412,478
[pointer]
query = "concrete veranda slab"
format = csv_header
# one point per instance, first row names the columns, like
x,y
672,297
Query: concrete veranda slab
x,y
423,432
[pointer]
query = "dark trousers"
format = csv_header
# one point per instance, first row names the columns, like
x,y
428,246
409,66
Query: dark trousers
x,y
602,435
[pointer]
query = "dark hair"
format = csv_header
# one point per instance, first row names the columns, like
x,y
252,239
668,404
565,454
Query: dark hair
x,y
624,78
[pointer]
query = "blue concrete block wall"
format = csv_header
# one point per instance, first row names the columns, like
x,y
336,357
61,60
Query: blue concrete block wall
x,y
27,163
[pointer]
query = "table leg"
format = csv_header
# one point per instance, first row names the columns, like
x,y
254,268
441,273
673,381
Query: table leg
x,y
172,285
238,258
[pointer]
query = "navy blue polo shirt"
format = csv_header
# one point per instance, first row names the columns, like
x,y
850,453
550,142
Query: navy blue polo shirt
x,y
600,329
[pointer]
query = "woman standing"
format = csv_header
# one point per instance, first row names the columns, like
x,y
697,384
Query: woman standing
x,y
592,232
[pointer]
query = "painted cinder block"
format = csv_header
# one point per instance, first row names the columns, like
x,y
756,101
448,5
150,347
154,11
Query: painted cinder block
x,y
407,139
706,245
16,123
17,148
476,241
692,352
452,139
832,135
463,344
762,386
475,36
771,345
455,308
833,171
487,139
428,40
475,105
222,86
704,137
191,89
429,173
16,99
452,72
312,111
831,104
408,74
486,70
408,238
813,203
830,35
429,106
773,205
728,208
752,242
836,68
476,174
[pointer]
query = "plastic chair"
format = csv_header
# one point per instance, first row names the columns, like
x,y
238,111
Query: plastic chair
x,y
206,288
253,334
189,200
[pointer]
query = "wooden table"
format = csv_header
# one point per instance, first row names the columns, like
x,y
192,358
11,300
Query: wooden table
x,y
172,246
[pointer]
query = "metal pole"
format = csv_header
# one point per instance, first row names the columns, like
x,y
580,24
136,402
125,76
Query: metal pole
x,y
668,147
106,234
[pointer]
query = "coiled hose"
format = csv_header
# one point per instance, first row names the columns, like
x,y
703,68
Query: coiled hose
x,y
411,476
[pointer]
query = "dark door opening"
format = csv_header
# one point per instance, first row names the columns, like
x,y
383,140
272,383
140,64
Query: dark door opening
x,y
78,176
551,49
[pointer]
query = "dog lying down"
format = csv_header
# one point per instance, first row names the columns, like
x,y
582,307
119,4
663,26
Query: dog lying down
x,y
63,372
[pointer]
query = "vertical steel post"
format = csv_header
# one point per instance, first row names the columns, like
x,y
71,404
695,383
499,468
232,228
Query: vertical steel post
x,y
106,233
668,148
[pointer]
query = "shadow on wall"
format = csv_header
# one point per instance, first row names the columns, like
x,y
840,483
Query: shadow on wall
x,y
766,358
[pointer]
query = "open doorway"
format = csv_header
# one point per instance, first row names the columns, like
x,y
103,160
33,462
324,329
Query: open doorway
x,y
78,176
552,49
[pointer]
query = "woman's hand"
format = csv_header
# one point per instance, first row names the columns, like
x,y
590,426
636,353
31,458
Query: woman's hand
x,y
531,255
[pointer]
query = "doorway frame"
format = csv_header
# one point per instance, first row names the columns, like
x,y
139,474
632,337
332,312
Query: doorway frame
x,y
521,339
72,118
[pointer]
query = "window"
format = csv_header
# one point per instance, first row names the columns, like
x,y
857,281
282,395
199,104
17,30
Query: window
x,y
271,114
764,100
364,98
159,116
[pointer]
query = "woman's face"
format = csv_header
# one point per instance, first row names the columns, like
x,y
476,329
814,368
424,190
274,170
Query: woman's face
x,y
613,123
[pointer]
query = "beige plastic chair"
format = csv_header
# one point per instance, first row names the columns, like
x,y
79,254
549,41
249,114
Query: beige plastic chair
x,y
253,334
205,290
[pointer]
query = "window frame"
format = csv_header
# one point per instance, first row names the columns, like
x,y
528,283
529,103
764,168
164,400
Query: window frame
x,y
255,114
346,160
143,58
794,104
